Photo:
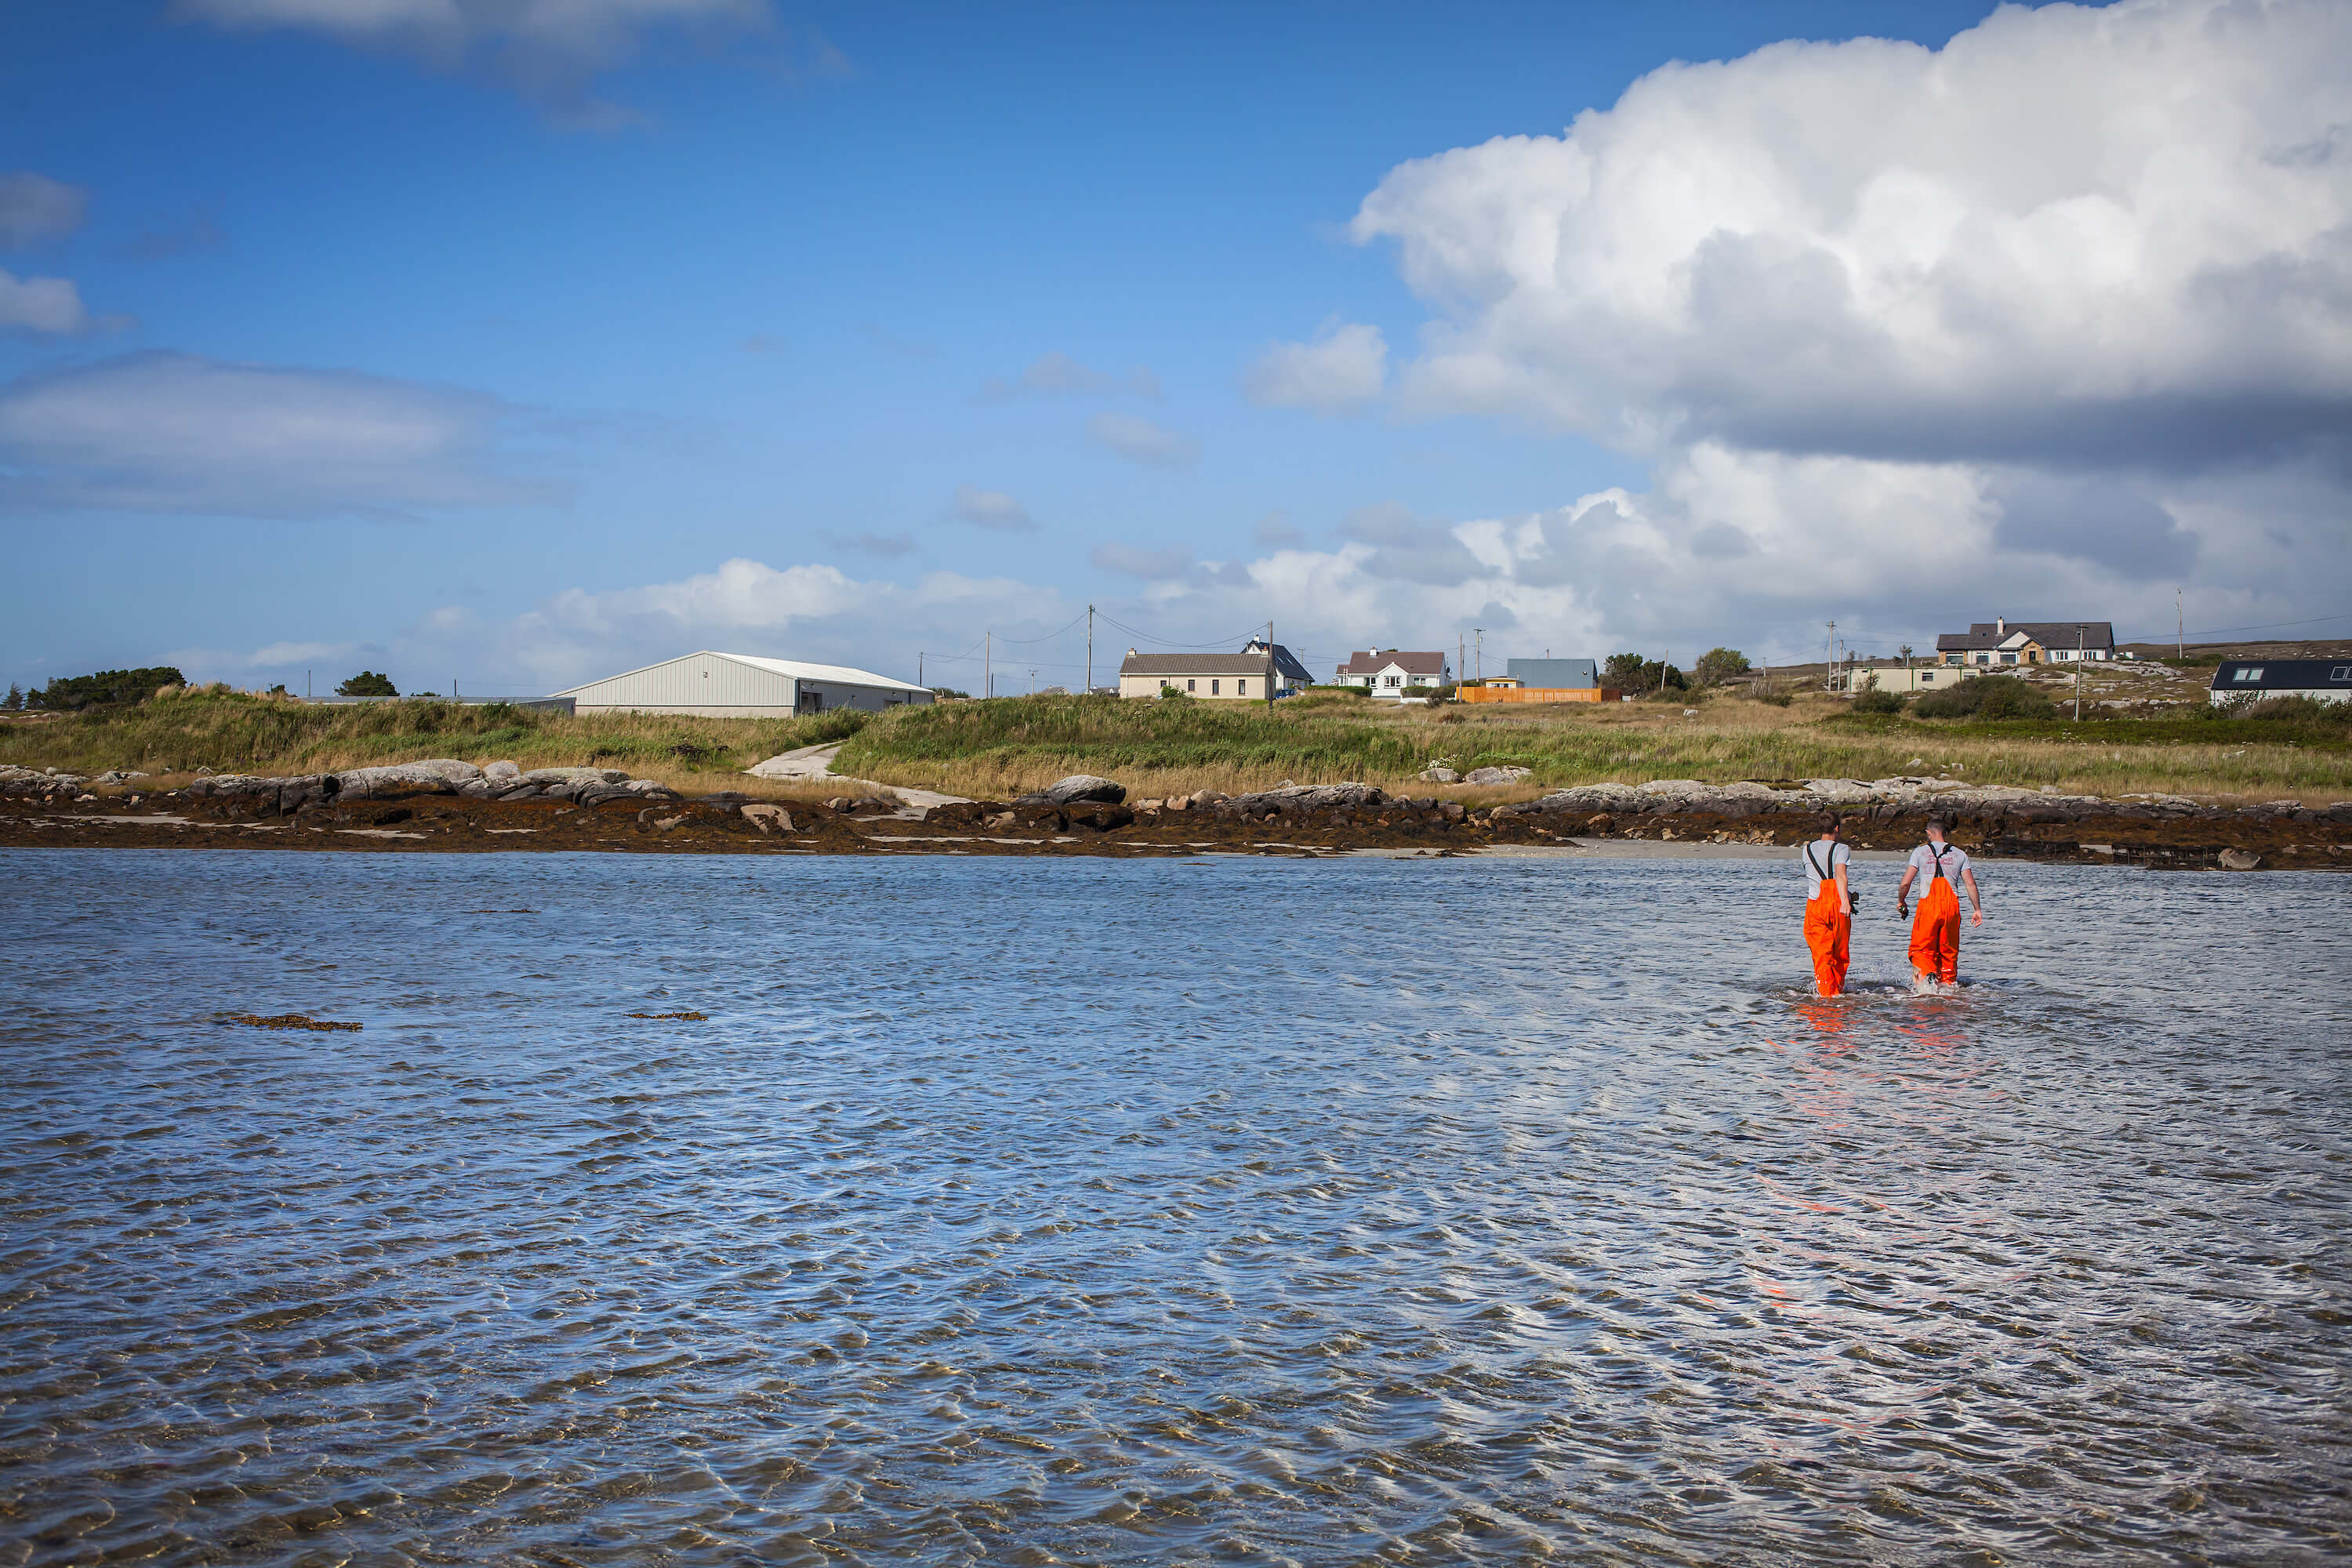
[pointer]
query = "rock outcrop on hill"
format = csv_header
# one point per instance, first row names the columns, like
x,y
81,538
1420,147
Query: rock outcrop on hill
x,y
442,803
437,775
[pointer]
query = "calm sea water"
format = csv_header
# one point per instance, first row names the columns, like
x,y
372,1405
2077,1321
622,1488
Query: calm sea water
x,y
1243,1211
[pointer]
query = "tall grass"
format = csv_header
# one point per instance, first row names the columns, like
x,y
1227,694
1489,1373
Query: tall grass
x,y
230,732
999,748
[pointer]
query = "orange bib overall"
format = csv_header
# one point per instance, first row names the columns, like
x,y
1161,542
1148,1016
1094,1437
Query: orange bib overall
x,y
1828,931
1936,933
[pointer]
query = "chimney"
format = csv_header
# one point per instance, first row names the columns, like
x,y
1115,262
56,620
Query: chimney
x,y
2000,625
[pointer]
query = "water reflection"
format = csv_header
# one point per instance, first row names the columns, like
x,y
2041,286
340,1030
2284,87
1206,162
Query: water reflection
x,y
1084,1211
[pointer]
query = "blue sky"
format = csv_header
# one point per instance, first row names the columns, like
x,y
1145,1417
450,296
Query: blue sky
x,y
469,350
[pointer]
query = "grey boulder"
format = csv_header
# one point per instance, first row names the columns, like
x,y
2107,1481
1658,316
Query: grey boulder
x,y
1078,787
442,775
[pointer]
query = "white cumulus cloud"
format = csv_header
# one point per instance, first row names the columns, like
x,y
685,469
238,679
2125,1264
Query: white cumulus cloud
x,y
35,209
1143,441
551,50
1056,374
1345,367
2120,234
50,306
178,434
990,509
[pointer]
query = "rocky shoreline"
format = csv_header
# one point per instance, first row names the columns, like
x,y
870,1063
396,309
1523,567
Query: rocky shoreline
x,y
441,805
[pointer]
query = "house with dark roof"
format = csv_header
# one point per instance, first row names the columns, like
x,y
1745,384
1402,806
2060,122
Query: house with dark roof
x,y
1395,674
2323,679
1260,671
2001,641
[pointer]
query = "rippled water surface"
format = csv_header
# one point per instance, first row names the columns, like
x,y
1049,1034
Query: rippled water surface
x,y
1243,1211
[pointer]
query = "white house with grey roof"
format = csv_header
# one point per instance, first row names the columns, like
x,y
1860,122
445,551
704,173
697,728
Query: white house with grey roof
x,y
742,686
1262,670
1395,673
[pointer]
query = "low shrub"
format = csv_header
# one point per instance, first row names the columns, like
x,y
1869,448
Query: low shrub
x,y
1877,701
2300,710
1986,697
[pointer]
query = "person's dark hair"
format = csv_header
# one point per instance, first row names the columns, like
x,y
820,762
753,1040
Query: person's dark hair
x,y
1831,822
1940,823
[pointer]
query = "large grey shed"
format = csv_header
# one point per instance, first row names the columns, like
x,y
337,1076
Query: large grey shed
x,y
742,686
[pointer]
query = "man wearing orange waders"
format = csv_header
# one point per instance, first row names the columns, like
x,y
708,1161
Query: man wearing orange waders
x,y
1936,931
1829,906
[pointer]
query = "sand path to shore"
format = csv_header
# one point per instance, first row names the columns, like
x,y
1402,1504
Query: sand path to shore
x,y
816,763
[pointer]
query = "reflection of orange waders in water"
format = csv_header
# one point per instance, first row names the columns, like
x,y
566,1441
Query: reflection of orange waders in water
x,y
1936,929
1828,931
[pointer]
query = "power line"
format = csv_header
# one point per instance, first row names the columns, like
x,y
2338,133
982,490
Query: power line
x,y
1165,642
1049,637
2272,626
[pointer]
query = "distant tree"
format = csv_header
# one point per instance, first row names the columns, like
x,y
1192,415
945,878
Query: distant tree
x,y
1718,665
108,687
1636,675
15,698
368,683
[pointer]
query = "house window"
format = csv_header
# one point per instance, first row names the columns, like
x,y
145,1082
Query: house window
x,y
1213,688
1191,686
2009,658
1926,678
1392,680
2253,674
1241,688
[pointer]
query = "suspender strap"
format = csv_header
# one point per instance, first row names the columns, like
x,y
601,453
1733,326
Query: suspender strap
x,y
1935,851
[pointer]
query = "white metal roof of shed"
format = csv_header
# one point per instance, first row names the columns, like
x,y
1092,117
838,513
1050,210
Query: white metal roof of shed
x,y
840,674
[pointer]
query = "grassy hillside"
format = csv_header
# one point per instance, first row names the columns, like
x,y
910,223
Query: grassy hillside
x,y
231,731
996,749
999,747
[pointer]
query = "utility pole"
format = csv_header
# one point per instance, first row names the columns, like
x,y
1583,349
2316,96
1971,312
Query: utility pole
x,y
1482,654
918,669
1829,657
2180,628
1090,689
1661,670
1269,666
1461,656
987,664
2080,638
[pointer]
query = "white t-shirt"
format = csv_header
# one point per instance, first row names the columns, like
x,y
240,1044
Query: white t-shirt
x,y
1819,857
1922,860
